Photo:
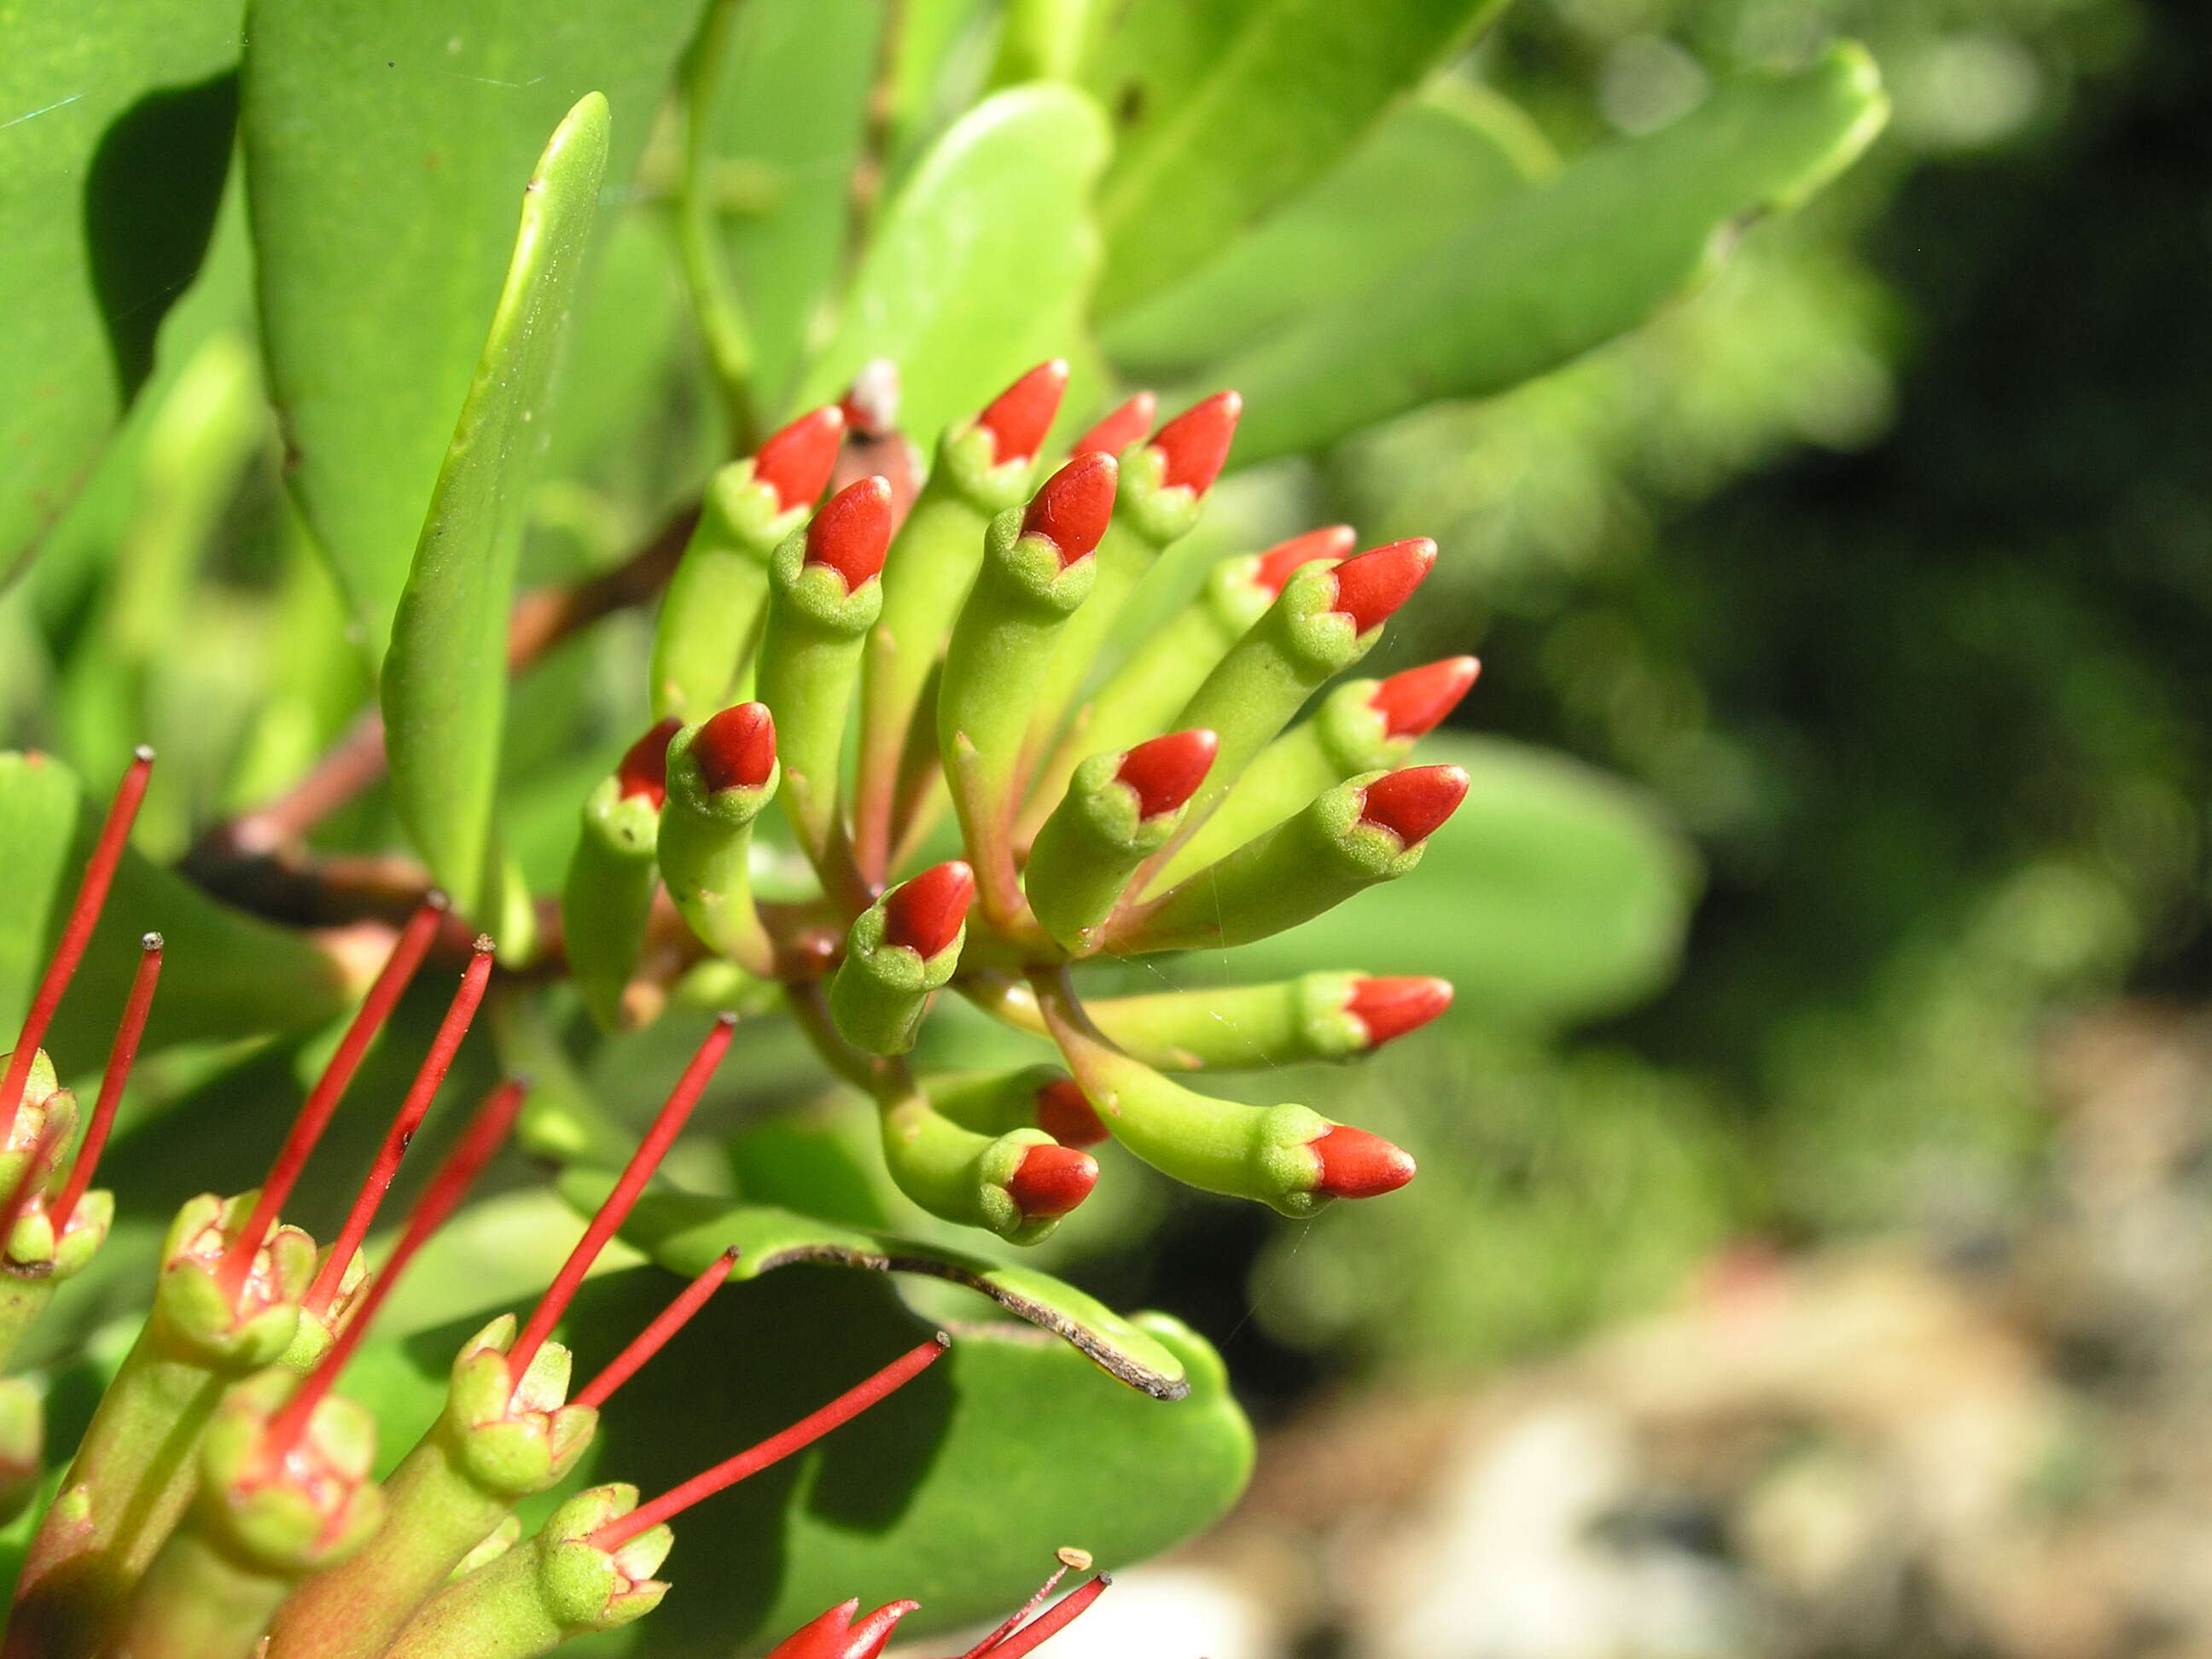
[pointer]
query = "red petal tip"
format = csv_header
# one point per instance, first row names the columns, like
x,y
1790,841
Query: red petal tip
x,y
852,531
1051,1181
1120,429
871,403
1389,1008
736,749
926,914
1285,559
836,1635
1066,1115
1193,444
1411,804
643,769
1165,772
1021,414
1357,1164
1075,505
798,461
1415,703
1371,586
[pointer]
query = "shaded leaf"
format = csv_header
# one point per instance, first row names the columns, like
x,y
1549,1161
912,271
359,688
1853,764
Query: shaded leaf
x,y
1552,272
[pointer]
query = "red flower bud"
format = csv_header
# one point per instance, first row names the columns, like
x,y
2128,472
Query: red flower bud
x,y
736,749
1021,414
1120,429
797,462
1415,703
1411,804
837,1635
1052,1181
871,403
1389,1008
643,769
1165,772
1357,1164
853,533
1064,1114
1371,586
925,914
1282,561
1075,505
1193,444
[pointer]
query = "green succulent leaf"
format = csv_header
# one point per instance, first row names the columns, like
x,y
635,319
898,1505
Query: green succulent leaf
x,y
445,683
383,140
1427,169
1553,272
116,120
983,262
1552,894
1225,108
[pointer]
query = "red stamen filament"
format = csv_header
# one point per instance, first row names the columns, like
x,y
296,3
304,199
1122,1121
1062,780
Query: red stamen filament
x,y
486,1134
405,1122
76,932
392,983
120,1058
654,1337
1063,1614
1017,1616
674,1114
803,1433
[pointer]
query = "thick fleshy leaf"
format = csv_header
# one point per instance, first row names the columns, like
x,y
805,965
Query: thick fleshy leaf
x,y
979,266
1430,167
1224,109
1552,894
685,1231
955,1492
1547,274
445,682
116,118
384,142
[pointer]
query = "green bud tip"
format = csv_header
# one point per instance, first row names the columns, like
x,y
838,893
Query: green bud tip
x,y
1019,417
736,749
1371,588
1066,1115
1165,772
1075,505
643,769
1388,1008
1354,1163
1412,804
1194,445
926,914
1120,429
837,1635
853,533
120,1058
797,462
1414,703
1332,542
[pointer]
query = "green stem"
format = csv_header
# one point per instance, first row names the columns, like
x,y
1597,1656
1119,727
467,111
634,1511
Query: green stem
x,y
722,326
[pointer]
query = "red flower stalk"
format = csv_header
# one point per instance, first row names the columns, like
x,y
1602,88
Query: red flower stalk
x,y
76,933
804,1433
1120,429
1166,771
1194,445
853,533
837,1635
1019,417
1035,1634
1074,507
656,1336
1388,1008
926,914
1371,588
796,463
1414,703
314,1116
736,749
1063,1113
486,1134
1285,559
414,1107
674,1113
1412,803
643,769
1051,1181
120,1058
1357,1164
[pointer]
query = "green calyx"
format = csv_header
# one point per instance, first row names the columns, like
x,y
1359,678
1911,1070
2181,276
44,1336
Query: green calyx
x,y
809,663
1242,1027
513,1438
957,1174
1087,851
608,895
1159,514
704,850
881,990
714,602
196,1320
290,1517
